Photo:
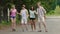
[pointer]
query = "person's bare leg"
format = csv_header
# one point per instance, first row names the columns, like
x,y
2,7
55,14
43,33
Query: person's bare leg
x,y
22,26
26,26
34,25
45,26
44,23
13,28
14,22
40,27
39,23
31,25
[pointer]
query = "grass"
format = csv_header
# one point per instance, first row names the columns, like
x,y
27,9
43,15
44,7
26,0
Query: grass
x,y
55,12
6,24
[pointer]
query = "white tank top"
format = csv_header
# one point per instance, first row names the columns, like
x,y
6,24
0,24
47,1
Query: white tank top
x,y
23,13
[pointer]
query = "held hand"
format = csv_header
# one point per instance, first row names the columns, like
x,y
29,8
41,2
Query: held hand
x,y
19,13
36,13
27,16
44,16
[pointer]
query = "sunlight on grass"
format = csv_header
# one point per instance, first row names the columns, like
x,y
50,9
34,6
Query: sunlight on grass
x,y
55,12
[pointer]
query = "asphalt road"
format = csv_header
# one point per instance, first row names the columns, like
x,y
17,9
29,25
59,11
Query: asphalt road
x,y
53,26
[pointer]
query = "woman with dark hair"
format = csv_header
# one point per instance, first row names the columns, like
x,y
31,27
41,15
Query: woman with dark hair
x,y
32,18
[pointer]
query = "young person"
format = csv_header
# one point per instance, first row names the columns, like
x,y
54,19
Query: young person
x,y
24,15
32,18
13,12
41,16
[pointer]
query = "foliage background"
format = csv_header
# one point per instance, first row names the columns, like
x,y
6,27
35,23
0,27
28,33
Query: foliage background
x,y
51,6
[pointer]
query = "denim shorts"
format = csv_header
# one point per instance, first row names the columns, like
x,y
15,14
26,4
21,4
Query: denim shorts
x,y
12,17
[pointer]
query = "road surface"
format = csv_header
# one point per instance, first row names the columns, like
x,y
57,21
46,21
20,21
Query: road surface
x,y
53,26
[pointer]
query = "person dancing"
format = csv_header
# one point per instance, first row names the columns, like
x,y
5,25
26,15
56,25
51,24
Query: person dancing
x,y
41,16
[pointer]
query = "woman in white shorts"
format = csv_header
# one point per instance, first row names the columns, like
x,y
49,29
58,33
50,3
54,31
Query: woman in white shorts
x,y
24,15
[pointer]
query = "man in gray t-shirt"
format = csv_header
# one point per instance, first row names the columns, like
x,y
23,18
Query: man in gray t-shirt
x,y
41,14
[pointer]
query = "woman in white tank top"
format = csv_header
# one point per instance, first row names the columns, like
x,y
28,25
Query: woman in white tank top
x,y
24,15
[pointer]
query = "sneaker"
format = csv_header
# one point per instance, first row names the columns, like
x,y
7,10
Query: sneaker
x,y
23,30
46,31
13,30
39,31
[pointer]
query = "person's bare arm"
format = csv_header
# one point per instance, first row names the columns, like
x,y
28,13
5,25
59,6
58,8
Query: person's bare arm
x,y
17,12
44,12
27,13
37,11
20,12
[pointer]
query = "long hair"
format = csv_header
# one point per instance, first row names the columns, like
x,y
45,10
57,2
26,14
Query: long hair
x,y
32,9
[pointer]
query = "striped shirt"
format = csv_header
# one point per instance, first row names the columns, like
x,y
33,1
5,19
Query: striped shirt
x,y
41,11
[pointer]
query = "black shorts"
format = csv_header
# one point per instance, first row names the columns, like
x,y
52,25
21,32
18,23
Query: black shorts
x,y
32,18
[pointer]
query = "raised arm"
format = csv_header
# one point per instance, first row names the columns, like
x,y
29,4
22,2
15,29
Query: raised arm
x,y
44,10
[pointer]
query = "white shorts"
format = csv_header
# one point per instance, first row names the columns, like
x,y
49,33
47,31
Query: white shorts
x,y
41,19
23,21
